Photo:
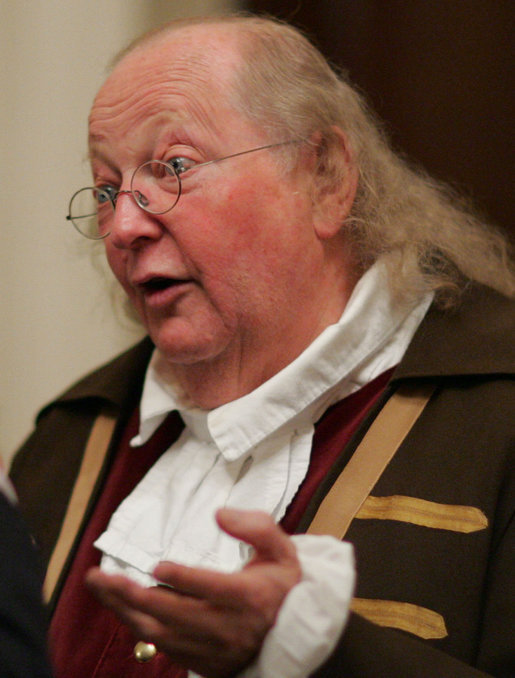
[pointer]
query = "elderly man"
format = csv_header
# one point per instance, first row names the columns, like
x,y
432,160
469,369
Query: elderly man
x,y
328,354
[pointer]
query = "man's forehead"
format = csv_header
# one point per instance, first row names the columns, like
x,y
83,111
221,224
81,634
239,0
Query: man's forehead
x,y
178,64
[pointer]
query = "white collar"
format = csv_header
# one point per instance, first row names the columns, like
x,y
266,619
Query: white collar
x,y
370,337
253,452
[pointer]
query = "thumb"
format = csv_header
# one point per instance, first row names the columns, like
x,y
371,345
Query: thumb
x,y
258,529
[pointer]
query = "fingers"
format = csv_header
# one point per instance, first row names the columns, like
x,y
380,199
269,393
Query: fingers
x,y
213,640
121,593
210,621
150,610
272,546
125,598
260,531
107,586
192,581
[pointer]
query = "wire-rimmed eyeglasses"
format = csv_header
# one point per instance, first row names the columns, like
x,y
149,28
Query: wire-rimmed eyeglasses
x,y
155,187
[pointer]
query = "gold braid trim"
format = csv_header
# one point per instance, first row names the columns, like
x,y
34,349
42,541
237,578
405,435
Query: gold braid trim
x,y
422,512
418,620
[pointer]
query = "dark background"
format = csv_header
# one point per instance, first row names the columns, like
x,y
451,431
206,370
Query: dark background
x,y
438,72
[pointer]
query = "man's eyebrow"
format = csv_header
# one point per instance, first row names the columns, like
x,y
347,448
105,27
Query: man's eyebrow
x,y
98,156
95,134
94,142
93,154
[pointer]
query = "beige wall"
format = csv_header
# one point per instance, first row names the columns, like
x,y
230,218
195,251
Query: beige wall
x,y
56,318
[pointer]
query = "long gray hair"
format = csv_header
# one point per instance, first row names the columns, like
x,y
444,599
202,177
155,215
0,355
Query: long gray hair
x,y
429,236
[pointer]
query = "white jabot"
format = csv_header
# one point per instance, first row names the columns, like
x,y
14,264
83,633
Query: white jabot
x,y
251,453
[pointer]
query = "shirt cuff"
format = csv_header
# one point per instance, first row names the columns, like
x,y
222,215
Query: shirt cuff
x,y
313,614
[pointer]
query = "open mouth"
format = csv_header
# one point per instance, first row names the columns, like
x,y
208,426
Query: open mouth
x,y
158,284
153,288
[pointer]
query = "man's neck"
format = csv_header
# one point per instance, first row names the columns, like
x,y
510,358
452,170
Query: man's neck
x,y
212,383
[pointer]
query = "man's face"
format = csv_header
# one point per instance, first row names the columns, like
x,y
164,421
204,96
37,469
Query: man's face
x,y
230,273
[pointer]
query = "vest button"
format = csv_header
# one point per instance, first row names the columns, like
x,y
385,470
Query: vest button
x,y
144,652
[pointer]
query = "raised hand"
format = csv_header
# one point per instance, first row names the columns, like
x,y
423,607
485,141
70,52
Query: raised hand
x,y
211,622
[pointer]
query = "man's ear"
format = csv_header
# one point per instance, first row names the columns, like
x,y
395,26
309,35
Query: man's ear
x,y
335,184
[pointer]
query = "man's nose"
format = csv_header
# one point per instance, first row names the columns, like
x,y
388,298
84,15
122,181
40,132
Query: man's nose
x,y
132,226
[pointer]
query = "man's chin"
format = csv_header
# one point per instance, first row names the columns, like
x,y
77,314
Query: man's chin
x,y
186,348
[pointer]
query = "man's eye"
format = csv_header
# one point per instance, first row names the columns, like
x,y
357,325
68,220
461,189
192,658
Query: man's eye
x,y
181,164
105,194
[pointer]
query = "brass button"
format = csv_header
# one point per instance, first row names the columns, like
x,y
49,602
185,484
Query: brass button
x,y
144,652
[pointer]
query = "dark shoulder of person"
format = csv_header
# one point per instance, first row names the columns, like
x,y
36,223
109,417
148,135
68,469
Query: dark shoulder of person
x,y
23,651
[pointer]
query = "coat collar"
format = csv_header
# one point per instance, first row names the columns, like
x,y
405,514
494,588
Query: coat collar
x,y
476,338
113,382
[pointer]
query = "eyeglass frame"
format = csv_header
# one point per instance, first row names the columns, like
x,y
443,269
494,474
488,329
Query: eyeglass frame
x,y
138,195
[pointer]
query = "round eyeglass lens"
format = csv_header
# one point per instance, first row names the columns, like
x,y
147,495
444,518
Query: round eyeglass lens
x,y
89,211
156,186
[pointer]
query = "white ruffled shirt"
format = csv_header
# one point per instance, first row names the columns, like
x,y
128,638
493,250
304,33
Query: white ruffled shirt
x,y
253,453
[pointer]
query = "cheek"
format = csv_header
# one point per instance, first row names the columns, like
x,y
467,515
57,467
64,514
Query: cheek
x,y
113,259
267,230
116,261
243,221
257,243
220,230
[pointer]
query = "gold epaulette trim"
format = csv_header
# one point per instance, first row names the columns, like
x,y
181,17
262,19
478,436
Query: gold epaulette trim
x,y
91,465
422,512
418,620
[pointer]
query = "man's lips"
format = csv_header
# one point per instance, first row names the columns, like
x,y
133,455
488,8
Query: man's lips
x,y
161,289
159,283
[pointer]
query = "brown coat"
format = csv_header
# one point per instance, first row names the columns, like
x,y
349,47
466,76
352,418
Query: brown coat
x,y
434,544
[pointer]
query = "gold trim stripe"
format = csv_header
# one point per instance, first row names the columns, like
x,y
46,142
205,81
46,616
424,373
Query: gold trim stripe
x,y
451,517
92,461
371,457
420,621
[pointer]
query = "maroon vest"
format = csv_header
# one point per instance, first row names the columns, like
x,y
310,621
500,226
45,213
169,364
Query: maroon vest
x,y
86,640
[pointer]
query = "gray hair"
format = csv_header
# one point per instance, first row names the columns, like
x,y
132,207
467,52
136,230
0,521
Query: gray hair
x,y
429,236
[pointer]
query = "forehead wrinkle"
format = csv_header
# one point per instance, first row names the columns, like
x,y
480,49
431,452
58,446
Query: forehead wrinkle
x,y
183,87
